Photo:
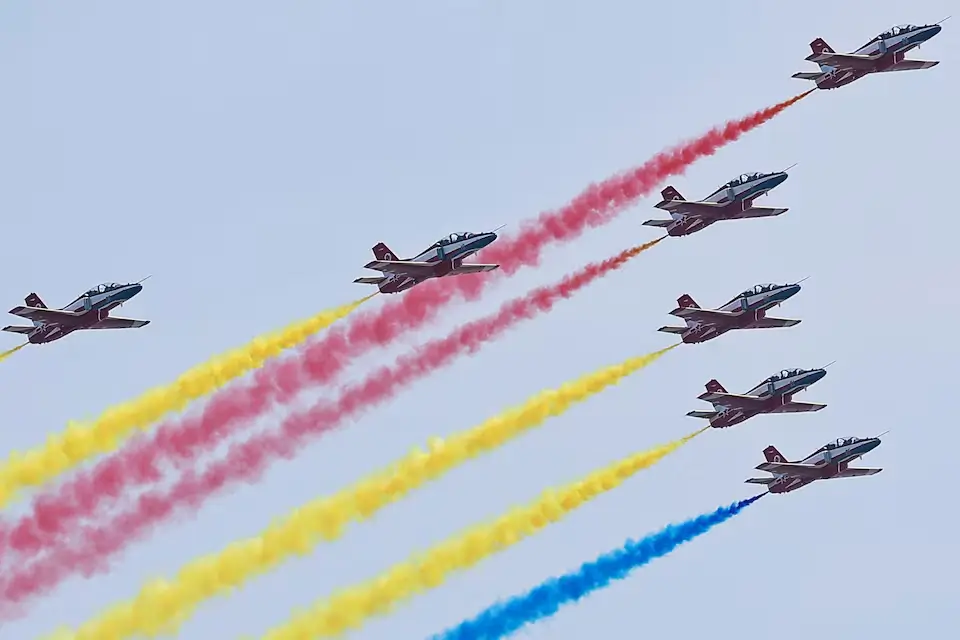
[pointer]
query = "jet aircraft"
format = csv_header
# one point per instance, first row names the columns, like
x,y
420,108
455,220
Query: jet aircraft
x,y
442,258
773,395
832,460
732,201
746,311
884,53
89,311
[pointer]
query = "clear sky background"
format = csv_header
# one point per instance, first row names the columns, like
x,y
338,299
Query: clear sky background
x,y
248,155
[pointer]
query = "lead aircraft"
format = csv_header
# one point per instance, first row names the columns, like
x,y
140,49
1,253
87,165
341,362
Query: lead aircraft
x,y
90,310
443,258
886,52
832,460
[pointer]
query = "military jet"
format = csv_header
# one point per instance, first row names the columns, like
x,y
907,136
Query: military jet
x,y
773,395
882,54
746,311
832,460
89,311
442,258
732,201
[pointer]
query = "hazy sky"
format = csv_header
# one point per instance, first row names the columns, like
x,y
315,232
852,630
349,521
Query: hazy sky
x,y
248,155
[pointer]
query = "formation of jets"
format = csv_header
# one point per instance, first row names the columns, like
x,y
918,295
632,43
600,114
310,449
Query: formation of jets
x,y
748,310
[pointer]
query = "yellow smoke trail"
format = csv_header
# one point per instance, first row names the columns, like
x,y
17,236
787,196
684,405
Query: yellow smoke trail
x,y
163,605
80,441
10,352
350,608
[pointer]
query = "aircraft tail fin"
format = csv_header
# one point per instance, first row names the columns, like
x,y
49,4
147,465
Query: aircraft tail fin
x,y
715,387
686,301
382,252
670,193
773,455
33,300
706,415
370,280
808,75
760,480
820,47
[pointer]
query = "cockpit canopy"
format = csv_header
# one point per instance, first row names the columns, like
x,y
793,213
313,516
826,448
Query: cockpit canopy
x,y
456,237
843,442
103,288
786,373
746,177
760,288
896,31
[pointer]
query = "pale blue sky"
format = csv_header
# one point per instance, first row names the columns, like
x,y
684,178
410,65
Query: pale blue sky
x,y
248,155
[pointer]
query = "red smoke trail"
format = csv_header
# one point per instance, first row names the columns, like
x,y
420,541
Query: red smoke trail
x,y
93,544
181,442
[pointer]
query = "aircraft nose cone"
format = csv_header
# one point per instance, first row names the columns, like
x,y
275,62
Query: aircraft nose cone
x,y
791,291
817,375
780,178
872,444
934,30
133,290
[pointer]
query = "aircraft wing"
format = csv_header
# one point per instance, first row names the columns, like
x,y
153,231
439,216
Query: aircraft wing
x,y
113,322
798,407
773,323
403,267
757,212
45,315
709,315
854,472
690,207
474,268
845,61
796,469
731,400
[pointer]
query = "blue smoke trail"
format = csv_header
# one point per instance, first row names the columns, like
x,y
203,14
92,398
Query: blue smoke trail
x,y
505,617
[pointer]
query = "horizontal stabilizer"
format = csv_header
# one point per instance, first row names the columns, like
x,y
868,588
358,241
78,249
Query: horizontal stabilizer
x,y
798,407
706,415
807,75
370,280
113,322
676,330
18,329
760,480
695,313
773,323
658,223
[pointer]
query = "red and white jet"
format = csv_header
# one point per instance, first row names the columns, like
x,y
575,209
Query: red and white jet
x,y
442,258
882,54
773,395
832,460
747,311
